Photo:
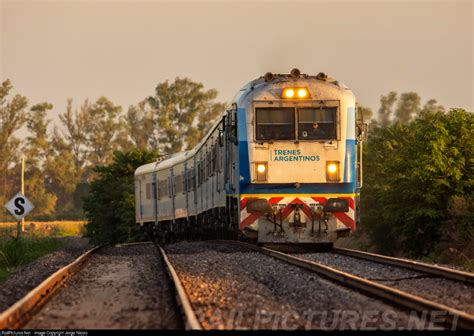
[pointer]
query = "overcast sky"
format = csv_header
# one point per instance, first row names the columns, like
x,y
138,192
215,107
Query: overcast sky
x,y
52,50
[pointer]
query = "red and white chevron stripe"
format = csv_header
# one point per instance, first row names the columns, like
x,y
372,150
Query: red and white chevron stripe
x,y
344,218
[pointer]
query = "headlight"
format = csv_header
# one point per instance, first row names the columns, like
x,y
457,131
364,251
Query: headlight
x,y
332,171
295,92
261,171
302,93
289,93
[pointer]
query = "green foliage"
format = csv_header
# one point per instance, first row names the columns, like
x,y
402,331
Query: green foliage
x,y
37,154
59,164
15,252
12,252
386,108
140,124
13,116
366,112
182,113
102,130
408,107
411,173
110,204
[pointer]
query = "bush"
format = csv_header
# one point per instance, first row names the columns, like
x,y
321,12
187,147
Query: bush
x,y
418,179
110,204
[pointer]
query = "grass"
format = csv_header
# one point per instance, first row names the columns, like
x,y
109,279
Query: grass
x,y
38,239
50,229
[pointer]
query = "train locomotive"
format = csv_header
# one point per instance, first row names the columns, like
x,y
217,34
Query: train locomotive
x,y
283,164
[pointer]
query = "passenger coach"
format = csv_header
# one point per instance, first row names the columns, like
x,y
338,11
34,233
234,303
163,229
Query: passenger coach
x,y
282,165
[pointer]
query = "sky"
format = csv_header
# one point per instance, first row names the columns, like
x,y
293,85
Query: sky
x,y
54,50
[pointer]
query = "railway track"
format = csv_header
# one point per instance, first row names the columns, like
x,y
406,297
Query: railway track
x,y
190,320
401,295
226,285
447,286
21,312
435,270
121,287
208,278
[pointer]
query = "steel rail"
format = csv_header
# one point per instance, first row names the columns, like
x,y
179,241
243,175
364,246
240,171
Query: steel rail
x,y
392,295
148,242
191,321
410,264
20,312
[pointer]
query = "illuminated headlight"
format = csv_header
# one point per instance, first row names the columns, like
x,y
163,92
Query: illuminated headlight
x,y
288,93
299,93
332,171
261,171
302,93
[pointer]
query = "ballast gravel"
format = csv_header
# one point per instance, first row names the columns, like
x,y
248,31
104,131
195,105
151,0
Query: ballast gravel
x,y
28,276
452,293
122,287
231,287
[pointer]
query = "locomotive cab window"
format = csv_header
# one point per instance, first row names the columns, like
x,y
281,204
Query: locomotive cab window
x,y
317,123
275,123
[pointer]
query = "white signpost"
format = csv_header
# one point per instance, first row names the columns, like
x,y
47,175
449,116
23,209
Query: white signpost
x,y
19,206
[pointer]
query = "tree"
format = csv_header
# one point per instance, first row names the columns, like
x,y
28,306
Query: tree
x,y
13,116
408,107
431,106
110,204
37,155
61,173
102,131
386,108
366,112
139,125
183,113
74,133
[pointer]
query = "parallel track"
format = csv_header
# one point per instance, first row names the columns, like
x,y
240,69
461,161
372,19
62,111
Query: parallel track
x,y
389,294
444,272
20,313
190,320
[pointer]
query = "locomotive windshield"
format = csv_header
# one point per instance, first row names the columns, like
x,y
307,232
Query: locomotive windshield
x,y
317,123
314,123
275,123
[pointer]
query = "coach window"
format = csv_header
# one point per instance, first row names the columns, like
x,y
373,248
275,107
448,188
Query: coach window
x,y
148,190
275,123
193,179
317,123
190,179
162,188
199,177
170,187
183,183
177,184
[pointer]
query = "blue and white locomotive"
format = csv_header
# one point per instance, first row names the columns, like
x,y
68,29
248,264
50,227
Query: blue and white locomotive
x,y
282,165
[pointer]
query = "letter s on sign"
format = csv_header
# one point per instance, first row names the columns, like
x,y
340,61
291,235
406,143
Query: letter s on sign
x,y
19,202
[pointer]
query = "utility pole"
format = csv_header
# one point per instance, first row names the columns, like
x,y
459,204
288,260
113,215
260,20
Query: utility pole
x,y
23,187
20,206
